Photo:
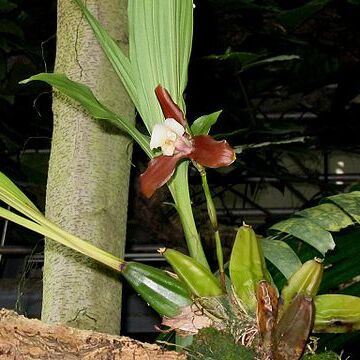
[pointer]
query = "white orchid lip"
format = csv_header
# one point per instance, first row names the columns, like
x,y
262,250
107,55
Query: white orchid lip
x,y
167,135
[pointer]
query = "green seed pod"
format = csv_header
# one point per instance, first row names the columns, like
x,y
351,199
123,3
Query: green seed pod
x,y
164,293
199,280
337,313
247,266
305,281
293,329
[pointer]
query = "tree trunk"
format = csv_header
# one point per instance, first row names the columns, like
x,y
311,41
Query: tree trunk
x,y
87,190
21,338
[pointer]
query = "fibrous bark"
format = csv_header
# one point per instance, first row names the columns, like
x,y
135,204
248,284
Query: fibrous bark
x,y
21,338
88,178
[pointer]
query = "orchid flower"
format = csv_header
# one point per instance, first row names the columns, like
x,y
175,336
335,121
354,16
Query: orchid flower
x,y
176,143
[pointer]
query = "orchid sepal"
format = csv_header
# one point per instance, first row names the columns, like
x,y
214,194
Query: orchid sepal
x,y
168,106
211,153
159,171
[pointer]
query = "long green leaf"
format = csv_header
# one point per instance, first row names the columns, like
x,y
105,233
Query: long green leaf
x,y
179,189
294,17
12,189
87,99
328,216
65,239
350,203
307,231
240,148
281,255
115,55
160,36
271,60
11,195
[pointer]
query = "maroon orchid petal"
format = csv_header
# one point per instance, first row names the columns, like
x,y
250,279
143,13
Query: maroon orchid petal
x,y
169,108
158,172
211,153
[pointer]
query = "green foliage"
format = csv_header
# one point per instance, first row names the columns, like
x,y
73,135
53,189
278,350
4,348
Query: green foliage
x,y
160,36
34,220
86,98
6,5
314,225
213,344
281,255
163,292
247,266
337,313
307,231
115,55
294,17
328,355
203,124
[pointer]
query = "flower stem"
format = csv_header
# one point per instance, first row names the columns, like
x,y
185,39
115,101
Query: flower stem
x,y
179,188
214,223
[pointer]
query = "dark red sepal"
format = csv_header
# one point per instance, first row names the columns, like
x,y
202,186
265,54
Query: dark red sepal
x,y
158,172
211,153
169,108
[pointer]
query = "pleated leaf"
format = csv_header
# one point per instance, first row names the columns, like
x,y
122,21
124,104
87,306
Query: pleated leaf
x,y
160,33
160,37
313,225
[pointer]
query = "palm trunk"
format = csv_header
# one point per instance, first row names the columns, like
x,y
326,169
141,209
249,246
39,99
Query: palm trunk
x,y
87,190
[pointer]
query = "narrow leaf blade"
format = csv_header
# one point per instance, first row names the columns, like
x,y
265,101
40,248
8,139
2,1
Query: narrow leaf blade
x,y
115,55
87,99
7,185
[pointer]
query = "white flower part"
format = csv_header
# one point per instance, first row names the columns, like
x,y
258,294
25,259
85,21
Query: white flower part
x,y
165,136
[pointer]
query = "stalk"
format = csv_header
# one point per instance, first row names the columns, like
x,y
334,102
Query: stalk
x,y
214,223
179,188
